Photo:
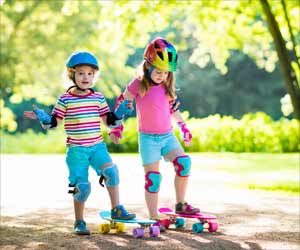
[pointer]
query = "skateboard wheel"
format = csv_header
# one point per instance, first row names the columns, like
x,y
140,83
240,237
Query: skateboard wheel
x,y
104,228
197,228
179,222
120,227
138,232
154,231
165,223
212,226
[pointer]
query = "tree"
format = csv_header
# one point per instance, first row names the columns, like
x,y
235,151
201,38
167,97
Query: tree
x,y
289,74
37,36
222,26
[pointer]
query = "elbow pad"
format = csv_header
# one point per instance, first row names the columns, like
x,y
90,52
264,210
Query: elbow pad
x,y
174,105
112,120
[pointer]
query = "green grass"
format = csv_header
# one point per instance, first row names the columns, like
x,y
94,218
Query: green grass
x,y
264,171
288,186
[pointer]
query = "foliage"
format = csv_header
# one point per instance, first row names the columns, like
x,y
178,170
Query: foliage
x,y
38,36
253,133
34,143
245,88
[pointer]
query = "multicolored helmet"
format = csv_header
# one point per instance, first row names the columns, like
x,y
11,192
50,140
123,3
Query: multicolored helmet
x,y
161,54
82,57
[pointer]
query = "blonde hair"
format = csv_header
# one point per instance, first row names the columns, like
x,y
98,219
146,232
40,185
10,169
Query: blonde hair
x,y
142,72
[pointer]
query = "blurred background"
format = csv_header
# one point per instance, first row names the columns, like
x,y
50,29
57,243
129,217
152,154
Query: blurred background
x,y
237,78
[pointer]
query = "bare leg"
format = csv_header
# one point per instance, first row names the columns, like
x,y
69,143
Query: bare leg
x,y
152,198
180,183
78,209
112,191
114,196
180,188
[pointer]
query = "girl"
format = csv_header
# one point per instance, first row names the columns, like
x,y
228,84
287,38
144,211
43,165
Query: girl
x,y
156,104
82,110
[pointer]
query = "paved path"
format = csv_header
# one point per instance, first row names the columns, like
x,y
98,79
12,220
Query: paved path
x,y
34,195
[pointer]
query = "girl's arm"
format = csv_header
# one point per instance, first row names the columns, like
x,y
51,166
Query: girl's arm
x,y
128,96
115,133
185,133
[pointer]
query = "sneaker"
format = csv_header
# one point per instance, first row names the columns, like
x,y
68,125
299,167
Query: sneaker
x,y
80,228
185,208
119,212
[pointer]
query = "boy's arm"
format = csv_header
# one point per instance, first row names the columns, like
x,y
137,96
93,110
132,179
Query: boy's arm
x,y
47,121
115,132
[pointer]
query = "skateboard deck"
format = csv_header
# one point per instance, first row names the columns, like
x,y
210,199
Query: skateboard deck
x,y
119,225
178,220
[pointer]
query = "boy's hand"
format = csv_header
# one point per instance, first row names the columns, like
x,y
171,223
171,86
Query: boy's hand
x,y
31,114
38,114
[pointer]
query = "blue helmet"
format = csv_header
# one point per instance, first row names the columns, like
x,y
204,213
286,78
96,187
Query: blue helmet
x,y
82,57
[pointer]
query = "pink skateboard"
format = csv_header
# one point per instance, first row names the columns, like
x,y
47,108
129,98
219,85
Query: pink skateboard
x,y
178,220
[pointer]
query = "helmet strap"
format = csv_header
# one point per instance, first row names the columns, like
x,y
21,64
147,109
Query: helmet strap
x,y
75,86
149,72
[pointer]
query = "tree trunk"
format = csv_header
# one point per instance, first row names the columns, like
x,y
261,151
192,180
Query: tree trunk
x,y
288,73
296,59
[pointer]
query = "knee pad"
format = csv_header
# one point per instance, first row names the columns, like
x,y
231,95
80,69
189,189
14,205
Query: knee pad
x,y
111,175
182,165
82,191
153,180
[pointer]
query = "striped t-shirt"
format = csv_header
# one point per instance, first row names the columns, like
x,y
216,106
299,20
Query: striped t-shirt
x,y
81,116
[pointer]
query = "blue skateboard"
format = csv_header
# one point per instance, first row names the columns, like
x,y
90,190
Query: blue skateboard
x,y
119,225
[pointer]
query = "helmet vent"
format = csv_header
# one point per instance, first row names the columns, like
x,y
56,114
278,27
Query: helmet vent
x,y
165,42
170,56
160,55
156,45
176,58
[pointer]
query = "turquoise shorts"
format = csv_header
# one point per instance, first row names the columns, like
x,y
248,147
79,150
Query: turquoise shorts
x,y
79,158
153,146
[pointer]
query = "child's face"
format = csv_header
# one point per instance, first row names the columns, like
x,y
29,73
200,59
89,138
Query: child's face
x,y
158,76
84,76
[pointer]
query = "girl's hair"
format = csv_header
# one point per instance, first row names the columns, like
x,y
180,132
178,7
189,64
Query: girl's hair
x,y
142,73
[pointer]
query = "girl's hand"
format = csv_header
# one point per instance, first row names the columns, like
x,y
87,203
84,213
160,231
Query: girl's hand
x,y
116,134
188,138
114,138
185,134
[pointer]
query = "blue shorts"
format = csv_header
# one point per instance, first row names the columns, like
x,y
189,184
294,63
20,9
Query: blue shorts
x,y
153,146
79,158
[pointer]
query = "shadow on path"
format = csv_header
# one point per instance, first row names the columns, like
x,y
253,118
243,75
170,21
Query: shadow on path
x,y
51,230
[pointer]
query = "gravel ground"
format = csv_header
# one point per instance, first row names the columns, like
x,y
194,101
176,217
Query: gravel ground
x,y
37,213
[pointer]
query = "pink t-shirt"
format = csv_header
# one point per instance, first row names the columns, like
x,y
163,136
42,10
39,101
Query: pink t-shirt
x,y
152,109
